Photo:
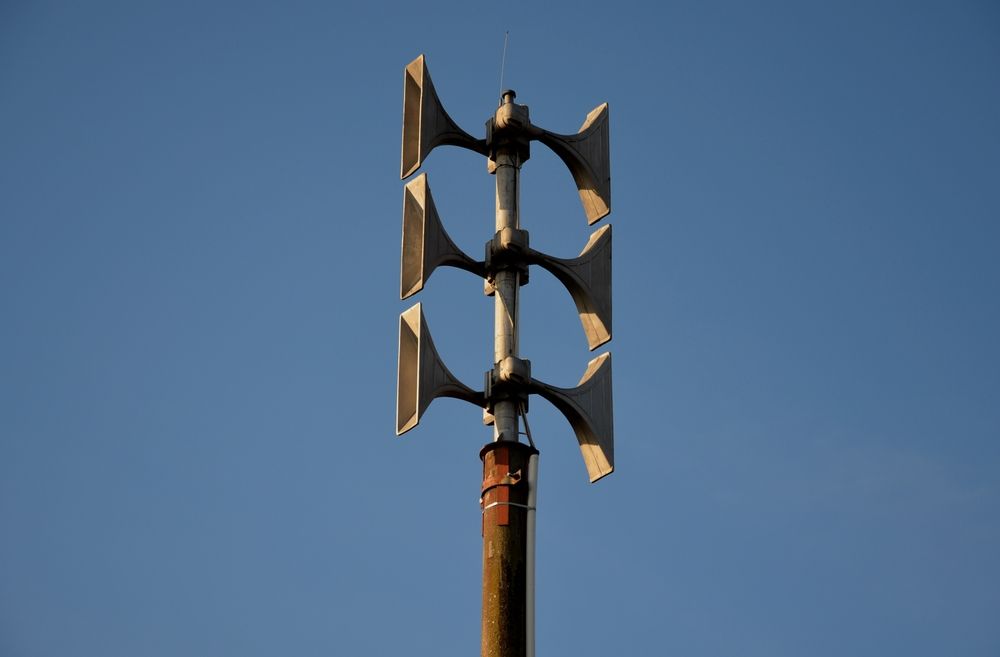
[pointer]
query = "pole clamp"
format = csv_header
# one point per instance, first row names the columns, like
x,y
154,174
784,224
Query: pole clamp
x,y
509,479
507,250
520,506
507,381
509,129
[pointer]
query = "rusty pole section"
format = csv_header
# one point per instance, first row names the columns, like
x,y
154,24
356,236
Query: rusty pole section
x,y
504,502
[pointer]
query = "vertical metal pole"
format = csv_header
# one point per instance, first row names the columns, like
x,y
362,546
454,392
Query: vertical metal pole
x,y
504,495
505,318
505,501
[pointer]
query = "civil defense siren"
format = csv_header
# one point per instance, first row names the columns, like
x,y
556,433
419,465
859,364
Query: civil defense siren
x,y
422,376
508,493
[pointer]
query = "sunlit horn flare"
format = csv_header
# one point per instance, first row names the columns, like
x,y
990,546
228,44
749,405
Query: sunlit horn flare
x,y
422,376
588,279
587,154
425,123
589,409
426,244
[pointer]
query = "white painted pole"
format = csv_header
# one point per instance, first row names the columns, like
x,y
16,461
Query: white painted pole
x,y
505,318
529,564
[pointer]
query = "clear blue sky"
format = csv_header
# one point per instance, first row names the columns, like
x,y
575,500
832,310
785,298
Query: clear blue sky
x,y
199,234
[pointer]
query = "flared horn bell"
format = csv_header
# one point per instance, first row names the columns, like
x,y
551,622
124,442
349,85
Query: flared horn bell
x,y
425,123
588,279
587,154
426,244
588,407
422,376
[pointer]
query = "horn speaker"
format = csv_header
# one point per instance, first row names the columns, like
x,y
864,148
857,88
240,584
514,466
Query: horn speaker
x,y
425,123
426,245
422,376
588,279
588,407
587,156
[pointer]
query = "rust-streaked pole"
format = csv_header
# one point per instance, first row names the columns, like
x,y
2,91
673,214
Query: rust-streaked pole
x,y
504,501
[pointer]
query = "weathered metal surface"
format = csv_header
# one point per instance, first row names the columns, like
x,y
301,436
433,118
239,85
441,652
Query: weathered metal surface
x,y
507,153
504,500
422,376
589,409
426,244
587,156
425,123
588,280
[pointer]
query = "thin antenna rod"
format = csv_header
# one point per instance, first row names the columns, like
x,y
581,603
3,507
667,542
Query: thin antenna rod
x,y
503,60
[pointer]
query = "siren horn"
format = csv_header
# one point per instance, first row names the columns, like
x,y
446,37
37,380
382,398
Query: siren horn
x,y
587,156
426,245
422,376
588,279
425,123
588,407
